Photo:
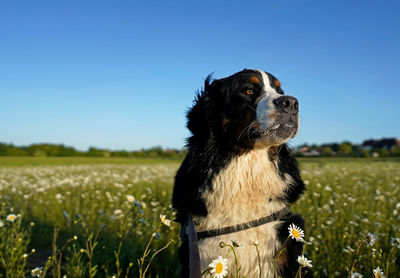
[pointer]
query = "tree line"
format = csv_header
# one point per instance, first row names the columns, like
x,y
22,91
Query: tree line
x,y
346,149
62,150
335,149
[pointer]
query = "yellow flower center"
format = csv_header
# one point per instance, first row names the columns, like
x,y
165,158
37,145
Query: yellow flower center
x,y
378,275
219,268
296,233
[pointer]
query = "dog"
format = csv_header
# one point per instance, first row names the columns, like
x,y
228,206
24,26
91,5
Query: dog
x,y
238,172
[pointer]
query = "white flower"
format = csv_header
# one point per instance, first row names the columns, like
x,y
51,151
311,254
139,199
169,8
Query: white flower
x,y
371,239
130,198
378,272
395,241
11,217
356,275
219,267
303,261
164,220
1,224
296,233
58,196
117,212
36,272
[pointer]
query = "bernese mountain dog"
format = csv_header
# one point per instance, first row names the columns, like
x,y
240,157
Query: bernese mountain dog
x,y
239,176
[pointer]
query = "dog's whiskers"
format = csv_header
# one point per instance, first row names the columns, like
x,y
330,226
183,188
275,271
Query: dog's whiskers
x,y
246,130
252,108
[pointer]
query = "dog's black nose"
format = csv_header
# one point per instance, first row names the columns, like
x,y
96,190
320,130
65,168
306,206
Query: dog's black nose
x,y
287,104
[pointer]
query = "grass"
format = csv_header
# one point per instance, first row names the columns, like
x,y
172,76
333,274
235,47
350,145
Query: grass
x,y
42,161
79,212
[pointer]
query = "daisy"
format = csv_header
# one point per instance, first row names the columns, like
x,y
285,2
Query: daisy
x,y
371,239
395,241
296,233
356,275
36,272
303,261
130,198
219,267
1,224
164,220
11,217
378,273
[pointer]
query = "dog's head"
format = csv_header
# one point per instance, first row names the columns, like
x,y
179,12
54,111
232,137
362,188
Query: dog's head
x,y
248,108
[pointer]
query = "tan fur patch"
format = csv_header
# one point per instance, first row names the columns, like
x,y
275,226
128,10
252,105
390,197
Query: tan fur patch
x,y
254,80
277,83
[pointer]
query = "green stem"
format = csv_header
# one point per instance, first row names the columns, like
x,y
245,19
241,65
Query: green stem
x,y
146,253
155,253
298,273
259,261
355,258
388,262
279,254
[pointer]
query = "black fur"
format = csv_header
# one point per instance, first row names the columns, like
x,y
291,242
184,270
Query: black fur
x,y
215,121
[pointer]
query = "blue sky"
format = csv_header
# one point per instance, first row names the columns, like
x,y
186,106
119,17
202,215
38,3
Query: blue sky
x,y
122,74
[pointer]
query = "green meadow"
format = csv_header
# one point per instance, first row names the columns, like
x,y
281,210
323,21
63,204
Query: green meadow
x,y
100,217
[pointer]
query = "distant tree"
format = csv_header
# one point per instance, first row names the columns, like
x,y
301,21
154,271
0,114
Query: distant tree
x,y
381,152
94,152
335,147
326,151
345,149
364,153
4,149
395,151
120,153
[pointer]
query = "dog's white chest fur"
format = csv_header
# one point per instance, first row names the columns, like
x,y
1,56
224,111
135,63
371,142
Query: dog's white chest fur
x,y
246,189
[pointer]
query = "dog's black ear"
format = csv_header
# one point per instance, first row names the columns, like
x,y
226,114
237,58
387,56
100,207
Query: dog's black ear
x,y
203,115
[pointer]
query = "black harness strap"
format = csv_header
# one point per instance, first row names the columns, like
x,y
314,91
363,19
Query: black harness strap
x,y
244,226
194,257
188,231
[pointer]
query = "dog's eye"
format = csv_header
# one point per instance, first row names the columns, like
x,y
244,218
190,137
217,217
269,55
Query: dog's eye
x,y
249,92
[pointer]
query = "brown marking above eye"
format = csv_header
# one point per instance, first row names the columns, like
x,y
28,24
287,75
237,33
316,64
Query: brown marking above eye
x,y
249,92
254,80
277,83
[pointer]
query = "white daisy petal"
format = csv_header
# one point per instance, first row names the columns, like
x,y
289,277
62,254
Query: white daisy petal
x,y
303,261
296,233
11,217
36,272
164,220
378,273
219,267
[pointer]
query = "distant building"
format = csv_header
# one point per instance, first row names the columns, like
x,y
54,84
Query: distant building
x,y
385,143
307,151
312,153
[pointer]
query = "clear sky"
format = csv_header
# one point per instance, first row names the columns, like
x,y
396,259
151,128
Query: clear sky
x,y
122,74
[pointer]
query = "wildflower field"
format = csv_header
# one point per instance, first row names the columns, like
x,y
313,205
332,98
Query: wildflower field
x,y
103,217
